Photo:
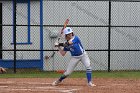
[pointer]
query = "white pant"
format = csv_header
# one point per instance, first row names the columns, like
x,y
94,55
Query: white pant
x,y
75,60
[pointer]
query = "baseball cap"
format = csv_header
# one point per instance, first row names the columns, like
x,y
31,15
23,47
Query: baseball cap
x,y
67,30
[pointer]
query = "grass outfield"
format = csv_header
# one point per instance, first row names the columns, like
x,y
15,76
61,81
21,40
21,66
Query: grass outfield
x,y
97,74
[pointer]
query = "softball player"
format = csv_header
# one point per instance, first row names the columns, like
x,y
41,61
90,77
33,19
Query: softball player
x,y
75,47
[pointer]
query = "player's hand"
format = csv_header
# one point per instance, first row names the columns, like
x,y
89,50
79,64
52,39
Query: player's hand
x,y
66,44
56,44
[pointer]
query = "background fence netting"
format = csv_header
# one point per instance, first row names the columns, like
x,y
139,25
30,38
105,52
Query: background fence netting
x,y
109,30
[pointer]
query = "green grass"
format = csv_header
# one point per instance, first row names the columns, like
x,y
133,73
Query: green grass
x,y
97,74
31,75
122,74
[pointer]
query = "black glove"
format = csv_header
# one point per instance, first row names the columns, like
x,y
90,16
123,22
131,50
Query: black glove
x,y
61,44
66,44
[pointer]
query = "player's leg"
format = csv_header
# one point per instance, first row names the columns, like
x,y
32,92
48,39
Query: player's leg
x,y
86,61
72,64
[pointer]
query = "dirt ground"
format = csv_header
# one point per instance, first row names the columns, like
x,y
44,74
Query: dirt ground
x,y
70,85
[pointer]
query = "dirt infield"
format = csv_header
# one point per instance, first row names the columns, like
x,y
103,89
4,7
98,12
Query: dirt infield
x,y
70,85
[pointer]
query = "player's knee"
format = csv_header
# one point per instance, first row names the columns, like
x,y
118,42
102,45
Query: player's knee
x,y
67,74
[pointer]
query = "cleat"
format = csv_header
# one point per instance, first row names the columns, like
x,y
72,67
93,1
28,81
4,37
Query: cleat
x,y
55,83
91,85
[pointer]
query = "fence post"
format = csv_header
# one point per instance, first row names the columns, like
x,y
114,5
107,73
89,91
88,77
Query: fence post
x,y
14,23
41,33
109,35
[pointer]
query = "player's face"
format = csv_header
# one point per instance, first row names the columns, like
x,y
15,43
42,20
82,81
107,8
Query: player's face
x,y
68,36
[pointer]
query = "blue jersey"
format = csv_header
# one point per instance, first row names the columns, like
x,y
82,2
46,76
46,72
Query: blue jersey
x,y
76,48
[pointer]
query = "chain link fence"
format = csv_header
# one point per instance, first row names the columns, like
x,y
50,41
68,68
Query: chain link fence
x,y
109,30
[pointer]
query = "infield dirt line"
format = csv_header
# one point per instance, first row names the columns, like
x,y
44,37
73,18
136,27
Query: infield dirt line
x,y
37,88
12,82
7,82
3,86
38,83
61,90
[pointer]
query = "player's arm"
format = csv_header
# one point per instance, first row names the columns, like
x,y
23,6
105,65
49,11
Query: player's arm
x,y
66,44
70,42
62,52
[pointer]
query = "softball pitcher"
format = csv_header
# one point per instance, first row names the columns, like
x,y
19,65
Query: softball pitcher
x,y
78,54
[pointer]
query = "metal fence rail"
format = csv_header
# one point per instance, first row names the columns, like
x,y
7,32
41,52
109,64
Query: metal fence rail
x,y
109,30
